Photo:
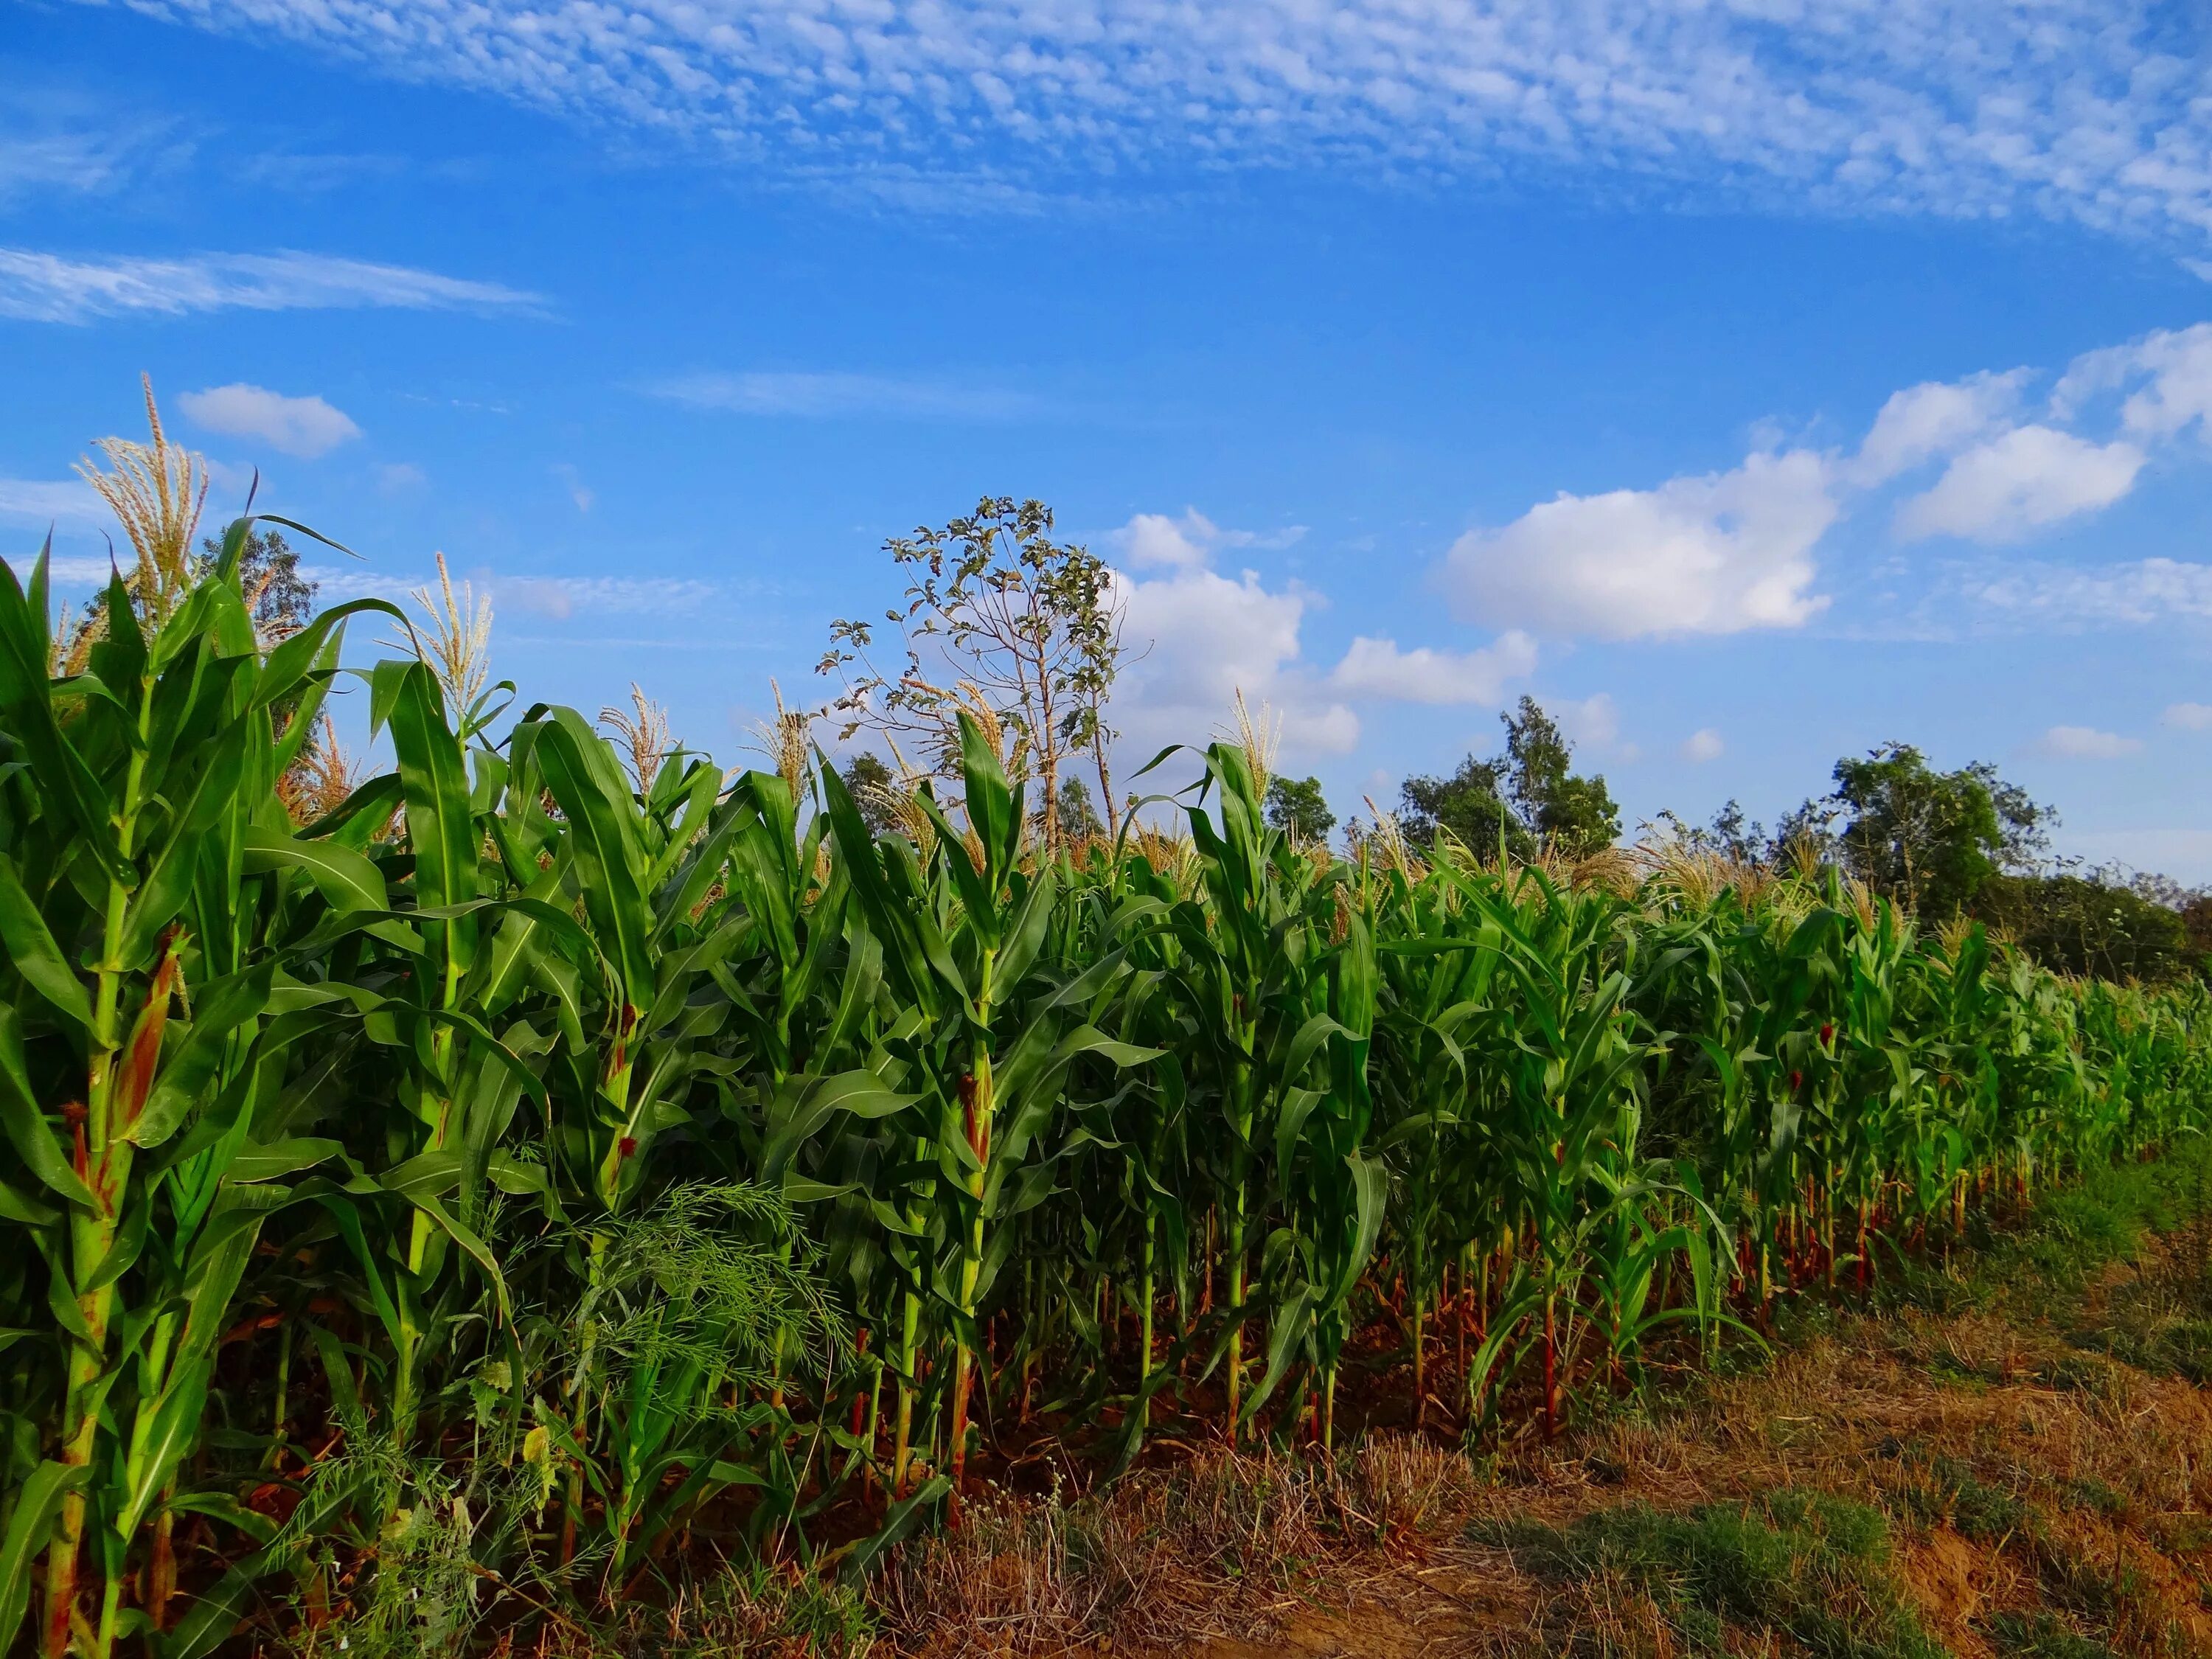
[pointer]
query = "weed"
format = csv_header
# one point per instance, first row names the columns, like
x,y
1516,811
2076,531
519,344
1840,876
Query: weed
x,y
2041,1636
1802,1565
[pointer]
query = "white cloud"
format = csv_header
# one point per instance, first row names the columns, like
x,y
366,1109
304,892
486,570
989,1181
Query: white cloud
x,y
1702,745
2188,716
305,426
1204,637
579,491
833,396
559,597
2085,742
2030,477
43,500
397,477
554,598
1713,554
46,288
64,571
2074,111
2166,376
1196,637
1592,722
86,163
1155,539
1935,418
1189,543
1378,668
2144,591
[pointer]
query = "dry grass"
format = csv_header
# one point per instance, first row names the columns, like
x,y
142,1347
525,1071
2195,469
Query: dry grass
x,y
1996,1479
1229,1542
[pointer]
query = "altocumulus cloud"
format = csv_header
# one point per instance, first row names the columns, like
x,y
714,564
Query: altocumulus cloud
x,y
305,426
50,288
2070,109
837,396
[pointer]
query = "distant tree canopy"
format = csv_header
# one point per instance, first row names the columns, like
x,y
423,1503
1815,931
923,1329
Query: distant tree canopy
x,y
1297,808
1528,798
278,597
1731,835
1931,840
2090,925
870,783
1079,819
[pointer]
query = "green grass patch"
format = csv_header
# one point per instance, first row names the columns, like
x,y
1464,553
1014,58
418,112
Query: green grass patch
x,y
1802,1565
2042,1636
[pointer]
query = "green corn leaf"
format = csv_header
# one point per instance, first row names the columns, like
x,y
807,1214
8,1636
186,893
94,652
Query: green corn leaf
x,y
20,1207
1290,1327
34,955
581,771
344,877
174,1430
253,1163
220,1010
24,1125
36,1504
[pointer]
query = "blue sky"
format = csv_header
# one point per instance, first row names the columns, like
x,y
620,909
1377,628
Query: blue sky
x,y
1750,384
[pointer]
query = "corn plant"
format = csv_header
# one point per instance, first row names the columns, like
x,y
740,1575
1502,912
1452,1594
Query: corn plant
x,y
538,1172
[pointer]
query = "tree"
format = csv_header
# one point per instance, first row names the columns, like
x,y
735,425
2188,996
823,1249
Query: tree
x,y
1568,814
871,787
277,597
997,614
1297,807
1929,839
1103,613
1530,797
1471,805
2089,924
1079,819
1730,835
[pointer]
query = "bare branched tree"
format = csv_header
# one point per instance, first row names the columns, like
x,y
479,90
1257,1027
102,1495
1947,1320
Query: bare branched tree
x,y
998,616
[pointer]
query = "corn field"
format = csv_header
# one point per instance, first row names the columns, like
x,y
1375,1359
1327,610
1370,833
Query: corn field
x,y
520,1182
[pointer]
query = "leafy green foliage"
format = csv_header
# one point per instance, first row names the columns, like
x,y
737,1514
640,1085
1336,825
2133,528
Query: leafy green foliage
x,y
2084,925
1297,808
1930,839
1529,798
870,783
280,599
